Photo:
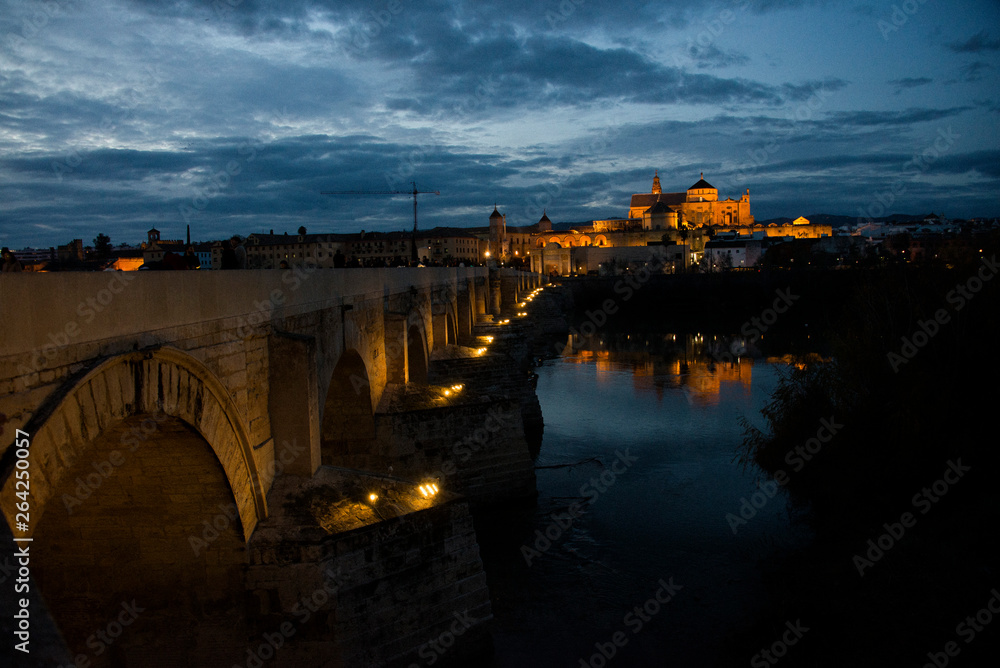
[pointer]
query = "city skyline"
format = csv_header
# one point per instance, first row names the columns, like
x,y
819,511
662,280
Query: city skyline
x,y
232,116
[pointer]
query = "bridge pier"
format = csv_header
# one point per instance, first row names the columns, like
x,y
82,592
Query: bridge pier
x,y
495,293
374,578
482,289
465,307
293,400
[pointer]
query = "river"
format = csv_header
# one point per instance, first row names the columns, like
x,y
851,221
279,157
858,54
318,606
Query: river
x,y
660,418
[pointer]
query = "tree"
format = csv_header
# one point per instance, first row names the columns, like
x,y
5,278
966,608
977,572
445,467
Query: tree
x,y
102,245
302,230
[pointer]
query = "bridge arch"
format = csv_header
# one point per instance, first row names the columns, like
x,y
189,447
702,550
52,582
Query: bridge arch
x,y
162,381
348,427
416,354
144,491
451,326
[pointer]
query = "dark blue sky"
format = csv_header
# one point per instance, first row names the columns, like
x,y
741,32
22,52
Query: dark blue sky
x,y
233,115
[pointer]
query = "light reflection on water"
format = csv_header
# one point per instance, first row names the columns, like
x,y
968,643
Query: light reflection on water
x,y
677,411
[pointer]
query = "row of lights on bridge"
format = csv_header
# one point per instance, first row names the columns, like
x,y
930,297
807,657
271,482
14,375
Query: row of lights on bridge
x,y
430,489
427,490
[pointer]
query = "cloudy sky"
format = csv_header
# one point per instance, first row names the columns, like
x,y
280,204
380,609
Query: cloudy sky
x,y
233,115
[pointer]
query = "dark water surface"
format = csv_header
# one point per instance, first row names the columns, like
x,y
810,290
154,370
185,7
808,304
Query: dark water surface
x,y
662,520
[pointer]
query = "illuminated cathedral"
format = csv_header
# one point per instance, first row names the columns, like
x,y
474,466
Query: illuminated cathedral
x,y
699,205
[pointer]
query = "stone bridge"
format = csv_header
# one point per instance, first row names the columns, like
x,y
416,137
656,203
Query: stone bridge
x,y
257,460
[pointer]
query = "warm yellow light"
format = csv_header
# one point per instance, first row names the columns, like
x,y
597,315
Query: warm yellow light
x,y
447,393
423,490
522,314
487,253
373,497
458,388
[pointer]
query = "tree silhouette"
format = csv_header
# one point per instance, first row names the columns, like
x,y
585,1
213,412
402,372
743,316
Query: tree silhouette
x,y
102,245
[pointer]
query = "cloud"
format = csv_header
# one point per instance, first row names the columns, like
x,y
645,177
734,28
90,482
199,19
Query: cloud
x,y
803,91
893,118
978,43
974,71
713,57
909,82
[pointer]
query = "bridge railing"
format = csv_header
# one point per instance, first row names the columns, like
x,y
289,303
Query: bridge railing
x,y
70,308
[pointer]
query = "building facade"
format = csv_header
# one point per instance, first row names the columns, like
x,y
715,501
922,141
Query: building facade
x,y
698,206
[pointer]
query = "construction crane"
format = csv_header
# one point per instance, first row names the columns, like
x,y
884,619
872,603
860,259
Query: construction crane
x,y
414,192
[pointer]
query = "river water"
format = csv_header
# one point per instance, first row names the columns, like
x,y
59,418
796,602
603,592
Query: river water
x,y
664,415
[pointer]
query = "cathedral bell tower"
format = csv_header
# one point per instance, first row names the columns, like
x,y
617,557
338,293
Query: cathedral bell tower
x,y
656,183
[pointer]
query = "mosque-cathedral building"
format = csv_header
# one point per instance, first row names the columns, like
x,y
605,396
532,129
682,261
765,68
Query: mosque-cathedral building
x,y
673,226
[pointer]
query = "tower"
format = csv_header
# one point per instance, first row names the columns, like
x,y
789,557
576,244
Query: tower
x,y
544,224
656,182
498,235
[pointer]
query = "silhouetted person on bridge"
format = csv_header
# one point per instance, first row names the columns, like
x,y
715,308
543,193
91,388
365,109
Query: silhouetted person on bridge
x,y
234,257
191,260
11,265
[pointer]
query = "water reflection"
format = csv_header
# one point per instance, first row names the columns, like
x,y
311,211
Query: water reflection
x,y
673,402
703,368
